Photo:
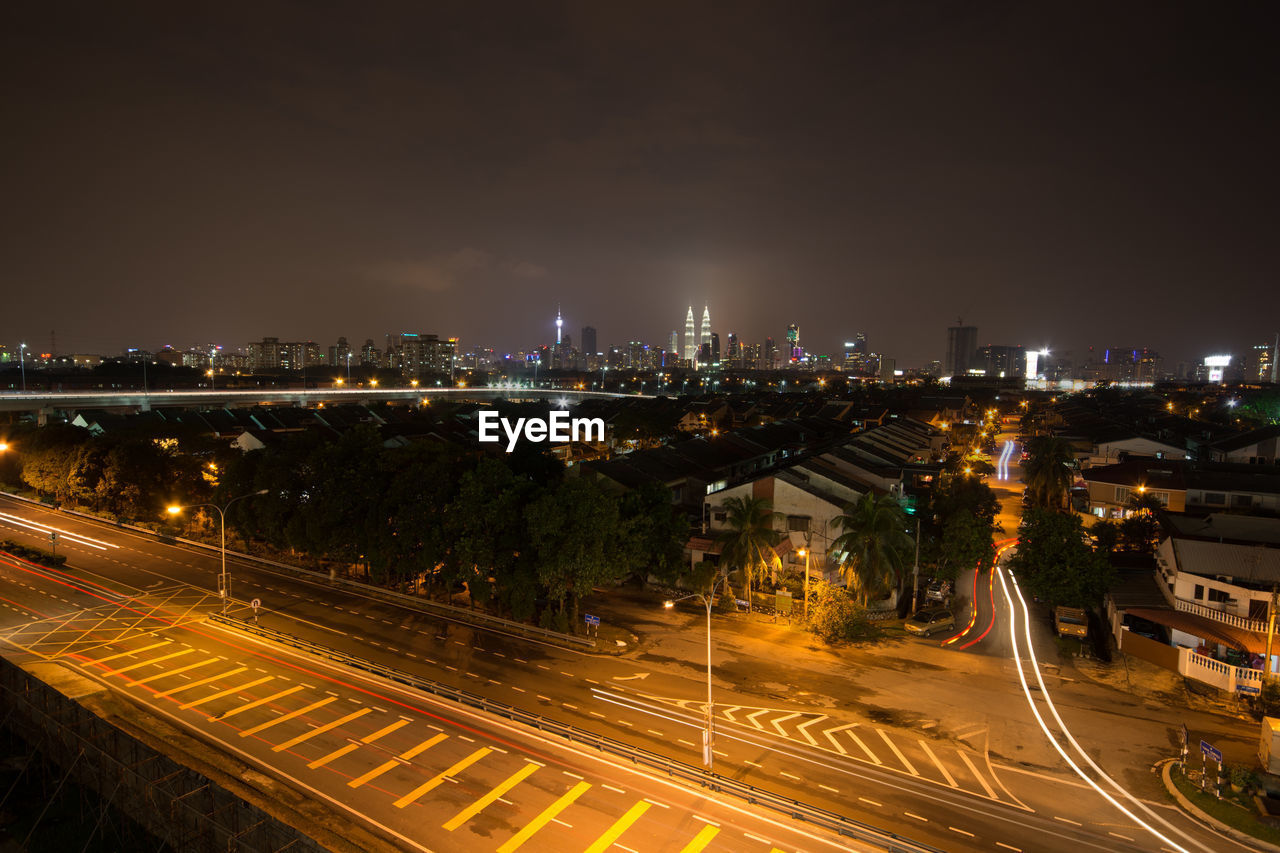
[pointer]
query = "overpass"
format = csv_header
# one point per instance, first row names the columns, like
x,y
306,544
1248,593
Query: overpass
x,y
49,402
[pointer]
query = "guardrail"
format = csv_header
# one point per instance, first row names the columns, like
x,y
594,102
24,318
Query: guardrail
x,y
843,826
432,608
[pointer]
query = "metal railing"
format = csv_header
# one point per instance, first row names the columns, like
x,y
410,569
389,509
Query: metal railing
x,y
843,826
431,608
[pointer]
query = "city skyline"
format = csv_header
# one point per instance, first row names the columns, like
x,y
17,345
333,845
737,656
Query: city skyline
x,y
190,177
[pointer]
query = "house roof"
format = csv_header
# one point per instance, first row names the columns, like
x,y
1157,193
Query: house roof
x,y
1205,629
1239,442
1154,474
1252,563
1225,527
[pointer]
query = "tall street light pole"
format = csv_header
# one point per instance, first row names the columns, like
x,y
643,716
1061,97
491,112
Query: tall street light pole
x,y
915,571
22,364
708,735
224,583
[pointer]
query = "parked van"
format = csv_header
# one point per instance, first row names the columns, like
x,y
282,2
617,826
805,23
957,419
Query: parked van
x,y
1071,622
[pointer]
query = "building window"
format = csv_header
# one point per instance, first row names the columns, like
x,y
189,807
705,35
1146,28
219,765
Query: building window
x,y
798,523
1199,592
1242,501
1218,595
1122,494
1216,498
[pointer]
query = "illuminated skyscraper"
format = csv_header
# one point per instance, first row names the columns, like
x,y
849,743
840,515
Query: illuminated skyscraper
x,y
559,325
704,333
690,342
673,349
793,342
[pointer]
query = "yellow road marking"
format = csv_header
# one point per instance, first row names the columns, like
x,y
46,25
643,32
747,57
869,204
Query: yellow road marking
x,y
384,731
910,767
417,792
475,808
702,839
320,730
543,819
981,779
160,659
132,652
352,747
387,765
227,692
211,678
289,716
605,841
177,671
241,709
337,753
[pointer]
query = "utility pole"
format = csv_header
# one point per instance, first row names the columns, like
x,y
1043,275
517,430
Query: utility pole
x,y
808,546
915,571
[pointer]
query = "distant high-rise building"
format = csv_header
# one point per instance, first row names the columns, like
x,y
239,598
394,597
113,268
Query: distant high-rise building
x,y
855,354
715,348
1009,362
962,343
734,355
338,353
415,354
704,333
559,326
793,342
751,356
769,357
673,349
690,342
589,340
1265,357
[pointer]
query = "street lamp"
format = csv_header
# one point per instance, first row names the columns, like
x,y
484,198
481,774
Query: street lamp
x,y
22,364
708,736
804,552
224,583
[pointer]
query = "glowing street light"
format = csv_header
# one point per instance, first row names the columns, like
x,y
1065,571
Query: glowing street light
x,y
708,736
224,583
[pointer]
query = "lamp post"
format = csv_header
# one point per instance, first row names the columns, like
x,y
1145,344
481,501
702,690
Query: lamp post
x,y
224,583
804,552
708,735
915,570
22,364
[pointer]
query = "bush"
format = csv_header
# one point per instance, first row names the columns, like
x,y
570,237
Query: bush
x,y
836,618
35,555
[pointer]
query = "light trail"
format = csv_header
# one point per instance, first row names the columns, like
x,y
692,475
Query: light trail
x,y
1026,691
76,538
1002,464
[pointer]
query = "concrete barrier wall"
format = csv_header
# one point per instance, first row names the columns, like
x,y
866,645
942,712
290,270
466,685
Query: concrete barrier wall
x,y
1147,649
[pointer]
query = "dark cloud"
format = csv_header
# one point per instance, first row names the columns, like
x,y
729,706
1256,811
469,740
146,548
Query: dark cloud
x,y
1089,174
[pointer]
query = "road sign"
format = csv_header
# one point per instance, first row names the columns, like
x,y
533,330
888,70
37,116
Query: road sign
x,y
1186,736
255,604
1211,751
593,621
782,602
1249,689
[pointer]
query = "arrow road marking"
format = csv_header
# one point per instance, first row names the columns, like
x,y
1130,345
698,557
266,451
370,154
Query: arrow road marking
x,y
638,675
801,729
777,724
754,721
728,713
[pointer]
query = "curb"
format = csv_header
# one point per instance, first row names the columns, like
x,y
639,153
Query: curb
x,y
1210,821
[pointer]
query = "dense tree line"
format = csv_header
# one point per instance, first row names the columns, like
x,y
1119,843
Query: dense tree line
x,y
512,531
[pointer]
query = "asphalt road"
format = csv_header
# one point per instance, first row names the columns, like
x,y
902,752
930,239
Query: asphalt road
x,y
933,743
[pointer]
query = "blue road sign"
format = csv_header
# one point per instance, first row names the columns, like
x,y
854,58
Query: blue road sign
x,y
1211,751
1250,689
592,620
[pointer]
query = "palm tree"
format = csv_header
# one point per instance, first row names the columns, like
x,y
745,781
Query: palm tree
x,y
1046,471
748,538
874,549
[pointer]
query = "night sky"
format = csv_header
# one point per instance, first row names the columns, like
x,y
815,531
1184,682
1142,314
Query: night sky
x,y
1091,175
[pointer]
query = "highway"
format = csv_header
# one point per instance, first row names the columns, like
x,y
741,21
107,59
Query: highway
x,y
948,790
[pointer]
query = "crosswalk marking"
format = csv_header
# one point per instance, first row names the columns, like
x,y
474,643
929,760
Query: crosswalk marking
x,y
289,716
620,826
230,690
907,764
240,709
754,721
981,779
203,682
341,721
435,780
874,758
177,671
950,779
514,842
387,765
132,652
475,808
702,839
777,724
140,665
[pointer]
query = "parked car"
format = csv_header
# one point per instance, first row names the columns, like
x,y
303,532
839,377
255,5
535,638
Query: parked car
x,y
1071,622
926,622
937,591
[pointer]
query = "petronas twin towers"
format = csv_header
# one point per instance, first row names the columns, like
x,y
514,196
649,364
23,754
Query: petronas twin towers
x,y
692,345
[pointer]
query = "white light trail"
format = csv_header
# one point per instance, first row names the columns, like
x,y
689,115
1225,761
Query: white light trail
x,y
63,534
1002,464
1026,618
